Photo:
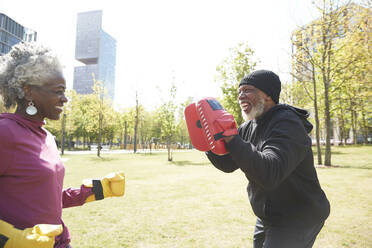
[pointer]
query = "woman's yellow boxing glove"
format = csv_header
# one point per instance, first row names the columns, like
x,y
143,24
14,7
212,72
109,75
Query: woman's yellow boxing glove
x,y
111,185
38,236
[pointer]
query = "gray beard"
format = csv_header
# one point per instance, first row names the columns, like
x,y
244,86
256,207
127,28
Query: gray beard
x,y
256,111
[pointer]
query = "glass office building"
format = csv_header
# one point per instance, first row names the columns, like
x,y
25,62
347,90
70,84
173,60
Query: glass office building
x,y
12,33
97,50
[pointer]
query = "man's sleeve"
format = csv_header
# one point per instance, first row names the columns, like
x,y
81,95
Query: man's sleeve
x,y
285,148
223,163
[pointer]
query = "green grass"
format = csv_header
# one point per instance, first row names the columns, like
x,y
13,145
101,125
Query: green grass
x,y
189,203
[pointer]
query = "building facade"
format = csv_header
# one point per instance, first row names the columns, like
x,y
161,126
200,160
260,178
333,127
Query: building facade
x,y
11,33
96,49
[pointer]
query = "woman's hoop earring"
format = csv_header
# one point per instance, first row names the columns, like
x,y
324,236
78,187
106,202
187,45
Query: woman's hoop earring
x,y
31,109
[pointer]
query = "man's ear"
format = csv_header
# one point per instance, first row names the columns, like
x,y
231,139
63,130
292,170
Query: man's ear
x,y
266,97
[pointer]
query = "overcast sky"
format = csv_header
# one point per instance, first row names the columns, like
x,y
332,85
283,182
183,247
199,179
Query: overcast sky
x,y
165,39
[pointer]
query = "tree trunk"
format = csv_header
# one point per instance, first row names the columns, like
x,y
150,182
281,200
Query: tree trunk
x,y
125,135
141,134
353,125
99,135
364,128
327,117
69,142
326,82
77,141
169,150
336,131
135,127
342,128
316,113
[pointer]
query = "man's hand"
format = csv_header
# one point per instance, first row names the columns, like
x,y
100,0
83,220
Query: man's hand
x,y
227,139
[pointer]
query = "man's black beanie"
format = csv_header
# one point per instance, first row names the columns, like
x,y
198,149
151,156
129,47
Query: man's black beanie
x,y
267,81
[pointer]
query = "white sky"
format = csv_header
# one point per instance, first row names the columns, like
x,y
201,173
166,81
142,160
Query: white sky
x,y
165,39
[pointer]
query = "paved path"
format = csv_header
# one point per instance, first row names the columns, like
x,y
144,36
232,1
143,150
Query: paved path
x,y
121,151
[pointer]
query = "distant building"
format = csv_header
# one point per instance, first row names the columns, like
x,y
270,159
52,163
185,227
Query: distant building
x,y
309,36
11,33
97,50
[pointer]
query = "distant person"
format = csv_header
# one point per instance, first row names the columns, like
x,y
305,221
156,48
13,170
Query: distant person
x,y
273,149
31,170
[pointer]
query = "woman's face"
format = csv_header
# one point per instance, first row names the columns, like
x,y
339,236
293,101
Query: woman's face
x,y
49,98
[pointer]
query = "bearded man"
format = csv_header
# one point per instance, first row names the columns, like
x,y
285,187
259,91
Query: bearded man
x,y
274,152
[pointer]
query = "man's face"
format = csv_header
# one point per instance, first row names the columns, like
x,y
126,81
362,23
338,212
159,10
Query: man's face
x,y
50,98
252,102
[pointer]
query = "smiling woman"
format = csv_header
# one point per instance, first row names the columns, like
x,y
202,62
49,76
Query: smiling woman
x,y
31,170
31,78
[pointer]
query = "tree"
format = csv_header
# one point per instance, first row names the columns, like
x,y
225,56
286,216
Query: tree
x,y
110,125
127,124
121,126
182,132
316,56
167,119
147,122
98,92
85,117
231,71
304,64
354,83
71,114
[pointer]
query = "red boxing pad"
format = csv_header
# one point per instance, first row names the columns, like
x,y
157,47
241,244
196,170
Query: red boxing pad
x,y
207,122
195,129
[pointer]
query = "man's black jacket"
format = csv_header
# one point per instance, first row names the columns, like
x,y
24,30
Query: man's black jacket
x,y
275,154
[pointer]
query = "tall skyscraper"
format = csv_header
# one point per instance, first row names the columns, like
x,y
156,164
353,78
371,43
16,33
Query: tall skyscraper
x,y
97,50
12,33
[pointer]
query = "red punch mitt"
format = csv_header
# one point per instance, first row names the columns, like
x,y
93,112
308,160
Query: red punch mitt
x,y
207,123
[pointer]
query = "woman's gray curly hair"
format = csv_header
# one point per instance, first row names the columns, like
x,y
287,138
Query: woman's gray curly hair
x,y
27,63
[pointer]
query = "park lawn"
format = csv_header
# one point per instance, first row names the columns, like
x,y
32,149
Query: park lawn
x,y
189,203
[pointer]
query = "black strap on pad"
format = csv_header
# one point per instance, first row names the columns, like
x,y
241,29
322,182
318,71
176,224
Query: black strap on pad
x,y
218,136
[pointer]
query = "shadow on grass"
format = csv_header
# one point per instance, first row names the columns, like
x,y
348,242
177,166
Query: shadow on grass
x,y
356,167
342,149
360,167
113,157
104,159
149,154
332,151
188,162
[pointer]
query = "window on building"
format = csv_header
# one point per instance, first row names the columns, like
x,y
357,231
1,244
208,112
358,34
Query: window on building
x,y
6,25
1,20
11,26
4,48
